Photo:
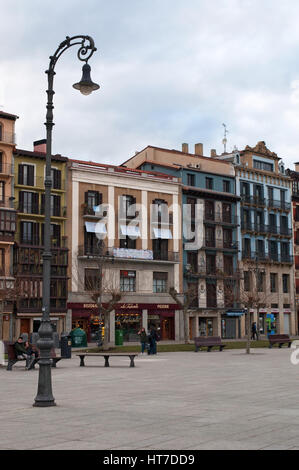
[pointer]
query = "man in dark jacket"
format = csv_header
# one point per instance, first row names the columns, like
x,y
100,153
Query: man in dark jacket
x,y
22,353
153,338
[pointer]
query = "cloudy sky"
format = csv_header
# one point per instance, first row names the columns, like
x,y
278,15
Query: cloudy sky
x,y
170,71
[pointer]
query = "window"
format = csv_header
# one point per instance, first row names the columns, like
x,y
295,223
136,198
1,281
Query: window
x,y
127,242
7,221
26,175
247,281
260,248
160,249
211,264
211,293
126,212
160,282
210,236
54,234
285,250
1,132
260,281
228,265
209,183
262,165
285,283
192,202
227,212
273,282
2,261
92,200
227,238
270,194
56,178
1,161
91,279
226,186
2,191
28,202
209,210
247,247
245,189
190,179
192,260
273,250
55,205
128,281
29,233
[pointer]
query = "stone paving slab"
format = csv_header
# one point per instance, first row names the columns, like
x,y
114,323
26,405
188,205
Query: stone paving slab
x,y
181,400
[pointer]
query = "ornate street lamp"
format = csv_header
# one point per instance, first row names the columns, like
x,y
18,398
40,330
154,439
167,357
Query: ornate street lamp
x,y
44,395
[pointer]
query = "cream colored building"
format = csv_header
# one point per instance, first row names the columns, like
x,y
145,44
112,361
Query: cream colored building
x,y
143,268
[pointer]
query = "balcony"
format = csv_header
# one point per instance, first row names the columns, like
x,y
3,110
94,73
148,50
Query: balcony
x,y
253,200
220,244
216,273
31,208
281,205
221,219
8,138
6,169
38,182
267,257
92,251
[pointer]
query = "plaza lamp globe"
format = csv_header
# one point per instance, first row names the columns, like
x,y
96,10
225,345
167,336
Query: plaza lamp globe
x,y
86,86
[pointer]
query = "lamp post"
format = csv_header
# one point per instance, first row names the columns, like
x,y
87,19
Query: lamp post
x,y
44,395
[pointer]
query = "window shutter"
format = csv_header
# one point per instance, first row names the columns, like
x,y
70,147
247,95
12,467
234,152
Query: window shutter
x,y
35,203
30,175
21,174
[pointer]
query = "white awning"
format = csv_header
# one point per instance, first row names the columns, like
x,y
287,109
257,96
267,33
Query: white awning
x,y
164,233
95,227
130,230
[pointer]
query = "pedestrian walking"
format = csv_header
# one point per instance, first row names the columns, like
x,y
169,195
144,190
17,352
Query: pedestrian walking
x,y
153,338
143,339
253,331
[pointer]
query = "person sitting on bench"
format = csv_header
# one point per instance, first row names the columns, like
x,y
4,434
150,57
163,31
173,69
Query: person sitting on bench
x,y
22,353
33,353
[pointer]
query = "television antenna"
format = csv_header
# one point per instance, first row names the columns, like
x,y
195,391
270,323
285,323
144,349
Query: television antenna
x,y
224,140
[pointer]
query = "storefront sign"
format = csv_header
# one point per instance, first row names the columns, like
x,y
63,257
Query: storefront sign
x,y
90,306
163,306
125,306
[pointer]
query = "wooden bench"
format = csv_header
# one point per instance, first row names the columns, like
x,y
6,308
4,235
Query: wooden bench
x,y
209,342
280,340
106,357
13,359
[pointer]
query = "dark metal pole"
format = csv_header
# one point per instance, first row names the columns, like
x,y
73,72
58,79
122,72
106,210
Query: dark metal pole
x,y
45,343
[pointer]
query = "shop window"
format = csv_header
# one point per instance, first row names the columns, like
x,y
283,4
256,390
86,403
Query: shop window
x,y
160,282
128,281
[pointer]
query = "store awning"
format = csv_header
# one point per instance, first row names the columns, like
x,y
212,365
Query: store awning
x,y
95,227
164,233
238,313
130,230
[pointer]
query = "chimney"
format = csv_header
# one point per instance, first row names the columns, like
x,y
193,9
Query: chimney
x,y
185,148
40,146
198,149
213,153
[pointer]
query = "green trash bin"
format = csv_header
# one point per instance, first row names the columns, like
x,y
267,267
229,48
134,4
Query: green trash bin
x,y
79,338
119,337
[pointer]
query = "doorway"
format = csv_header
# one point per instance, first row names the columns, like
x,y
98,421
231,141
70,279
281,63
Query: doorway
x,y
25,326
167,328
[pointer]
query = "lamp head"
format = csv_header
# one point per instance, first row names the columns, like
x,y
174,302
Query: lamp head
x,y
86,85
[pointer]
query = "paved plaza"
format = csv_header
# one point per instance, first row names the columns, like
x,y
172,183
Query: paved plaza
x,y
181,400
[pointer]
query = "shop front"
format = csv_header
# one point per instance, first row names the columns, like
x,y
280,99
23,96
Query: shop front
x,y
272,323
129,318
231,324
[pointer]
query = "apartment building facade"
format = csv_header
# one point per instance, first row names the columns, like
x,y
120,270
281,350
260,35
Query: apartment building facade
x,y
29,194
266,232
7,222
141,254
294,175
210,252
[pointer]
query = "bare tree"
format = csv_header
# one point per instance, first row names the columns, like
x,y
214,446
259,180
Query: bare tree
x,y
250,297
101,287
186,301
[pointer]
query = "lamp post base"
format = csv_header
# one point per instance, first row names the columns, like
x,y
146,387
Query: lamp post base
x,y
43,404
